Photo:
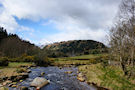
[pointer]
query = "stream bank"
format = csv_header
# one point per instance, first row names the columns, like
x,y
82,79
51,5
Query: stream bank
x,y
59,80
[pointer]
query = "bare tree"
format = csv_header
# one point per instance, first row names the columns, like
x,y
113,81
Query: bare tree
x,y
123,37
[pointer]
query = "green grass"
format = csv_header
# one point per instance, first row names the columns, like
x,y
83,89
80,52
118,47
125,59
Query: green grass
x,y
82,57
111,77
71,62
87,56
77,60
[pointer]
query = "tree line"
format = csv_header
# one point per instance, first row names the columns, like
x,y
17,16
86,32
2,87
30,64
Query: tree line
x,y
14,49
12,46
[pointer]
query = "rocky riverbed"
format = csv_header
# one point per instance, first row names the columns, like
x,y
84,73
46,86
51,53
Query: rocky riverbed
x,y
60,79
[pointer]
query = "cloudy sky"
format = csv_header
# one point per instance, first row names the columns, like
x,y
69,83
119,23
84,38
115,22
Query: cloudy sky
x,y
47,21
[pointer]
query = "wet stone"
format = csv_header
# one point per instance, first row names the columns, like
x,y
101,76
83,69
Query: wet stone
x,y
24,88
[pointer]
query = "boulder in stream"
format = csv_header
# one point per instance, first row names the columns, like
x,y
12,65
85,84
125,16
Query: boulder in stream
x,y
39,82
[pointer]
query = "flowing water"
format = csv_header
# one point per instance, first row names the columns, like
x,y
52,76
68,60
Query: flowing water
x,y
59,80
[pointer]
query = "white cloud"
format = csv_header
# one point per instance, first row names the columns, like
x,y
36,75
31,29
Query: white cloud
x,y
7,21
77,19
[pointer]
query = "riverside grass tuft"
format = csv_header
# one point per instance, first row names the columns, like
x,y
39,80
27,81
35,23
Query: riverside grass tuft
x,y
110,77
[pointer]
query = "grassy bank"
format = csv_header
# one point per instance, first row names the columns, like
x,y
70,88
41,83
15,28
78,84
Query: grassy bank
x,y
96,70
110,77
12,68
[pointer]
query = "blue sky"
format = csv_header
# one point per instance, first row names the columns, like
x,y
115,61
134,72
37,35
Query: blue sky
x,y
39,29
47,21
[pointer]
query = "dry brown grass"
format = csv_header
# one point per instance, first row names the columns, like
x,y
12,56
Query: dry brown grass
x,y
8,72
12,69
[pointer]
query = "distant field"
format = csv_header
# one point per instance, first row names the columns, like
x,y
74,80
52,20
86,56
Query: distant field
x,y
77,60
87,56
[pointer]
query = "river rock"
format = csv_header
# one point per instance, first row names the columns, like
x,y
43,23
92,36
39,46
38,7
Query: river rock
x,y
68,72
3,78
21,80
24,75
42,73
13,86
14,83
12,78
10,85
39,82
28,71
6,82
80,77
60,67
24,88
19,77
3,88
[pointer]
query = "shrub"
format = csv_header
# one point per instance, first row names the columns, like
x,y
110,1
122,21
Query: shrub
x,y
100,59
23,58
93,61
15,59
3,61
104,60
28,59
42,61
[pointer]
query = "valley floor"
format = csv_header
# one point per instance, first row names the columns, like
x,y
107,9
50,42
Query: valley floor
x,y
110,77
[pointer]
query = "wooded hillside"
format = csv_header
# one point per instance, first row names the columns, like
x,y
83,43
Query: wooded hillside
x,y
75,47
12,46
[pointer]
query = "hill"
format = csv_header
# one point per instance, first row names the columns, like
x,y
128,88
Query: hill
x,y
73,48
13,46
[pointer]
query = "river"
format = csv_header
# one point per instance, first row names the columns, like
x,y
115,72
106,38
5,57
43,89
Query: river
x,y
59,80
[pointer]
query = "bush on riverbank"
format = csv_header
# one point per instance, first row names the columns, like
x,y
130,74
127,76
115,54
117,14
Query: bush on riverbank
x,y
23,58
4,61
42,60
100,59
